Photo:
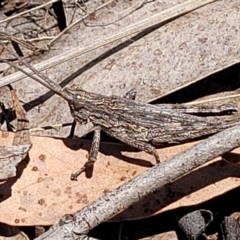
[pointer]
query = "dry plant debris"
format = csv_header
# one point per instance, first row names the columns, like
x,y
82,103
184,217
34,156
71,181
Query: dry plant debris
x,y
184,59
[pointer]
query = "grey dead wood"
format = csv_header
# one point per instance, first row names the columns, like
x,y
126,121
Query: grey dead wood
x,y
78,225
193,224
10,158
231,228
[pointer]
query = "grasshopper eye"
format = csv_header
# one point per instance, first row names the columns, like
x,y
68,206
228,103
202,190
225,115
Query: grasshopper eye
x,y
78,101
77,97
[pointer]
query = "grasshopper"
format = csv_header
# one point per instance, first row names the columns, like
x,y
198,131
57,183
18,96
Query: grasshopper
x,y
142,126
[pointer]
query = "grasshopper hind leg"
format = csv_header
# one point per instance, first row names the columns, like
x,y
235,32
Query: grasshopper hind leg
x,y
144,146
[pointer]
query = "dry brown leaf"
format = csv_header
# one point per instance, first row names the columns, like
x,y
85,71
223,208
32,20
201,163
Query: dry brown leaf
x,y
12,155
44,191
22,135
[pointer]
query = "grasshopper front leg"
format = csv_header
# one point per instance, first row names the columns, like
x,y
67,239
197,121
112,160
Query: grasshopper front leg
x,y
96,143
92,154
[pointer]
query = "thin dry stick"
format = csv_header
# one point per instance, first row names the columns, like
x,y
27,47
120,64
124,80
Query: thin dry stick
x,y
213,99
152,180
27,11
30,40
148,22
4,38
76,22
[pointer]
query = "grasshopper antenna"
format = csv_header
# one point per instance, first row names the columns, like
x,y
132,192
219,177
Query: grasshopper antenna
x,y
42,79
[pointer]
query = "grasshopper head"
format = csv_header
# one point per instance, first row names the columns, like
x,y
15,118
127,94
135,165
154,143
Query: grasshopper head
x,y
78,110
